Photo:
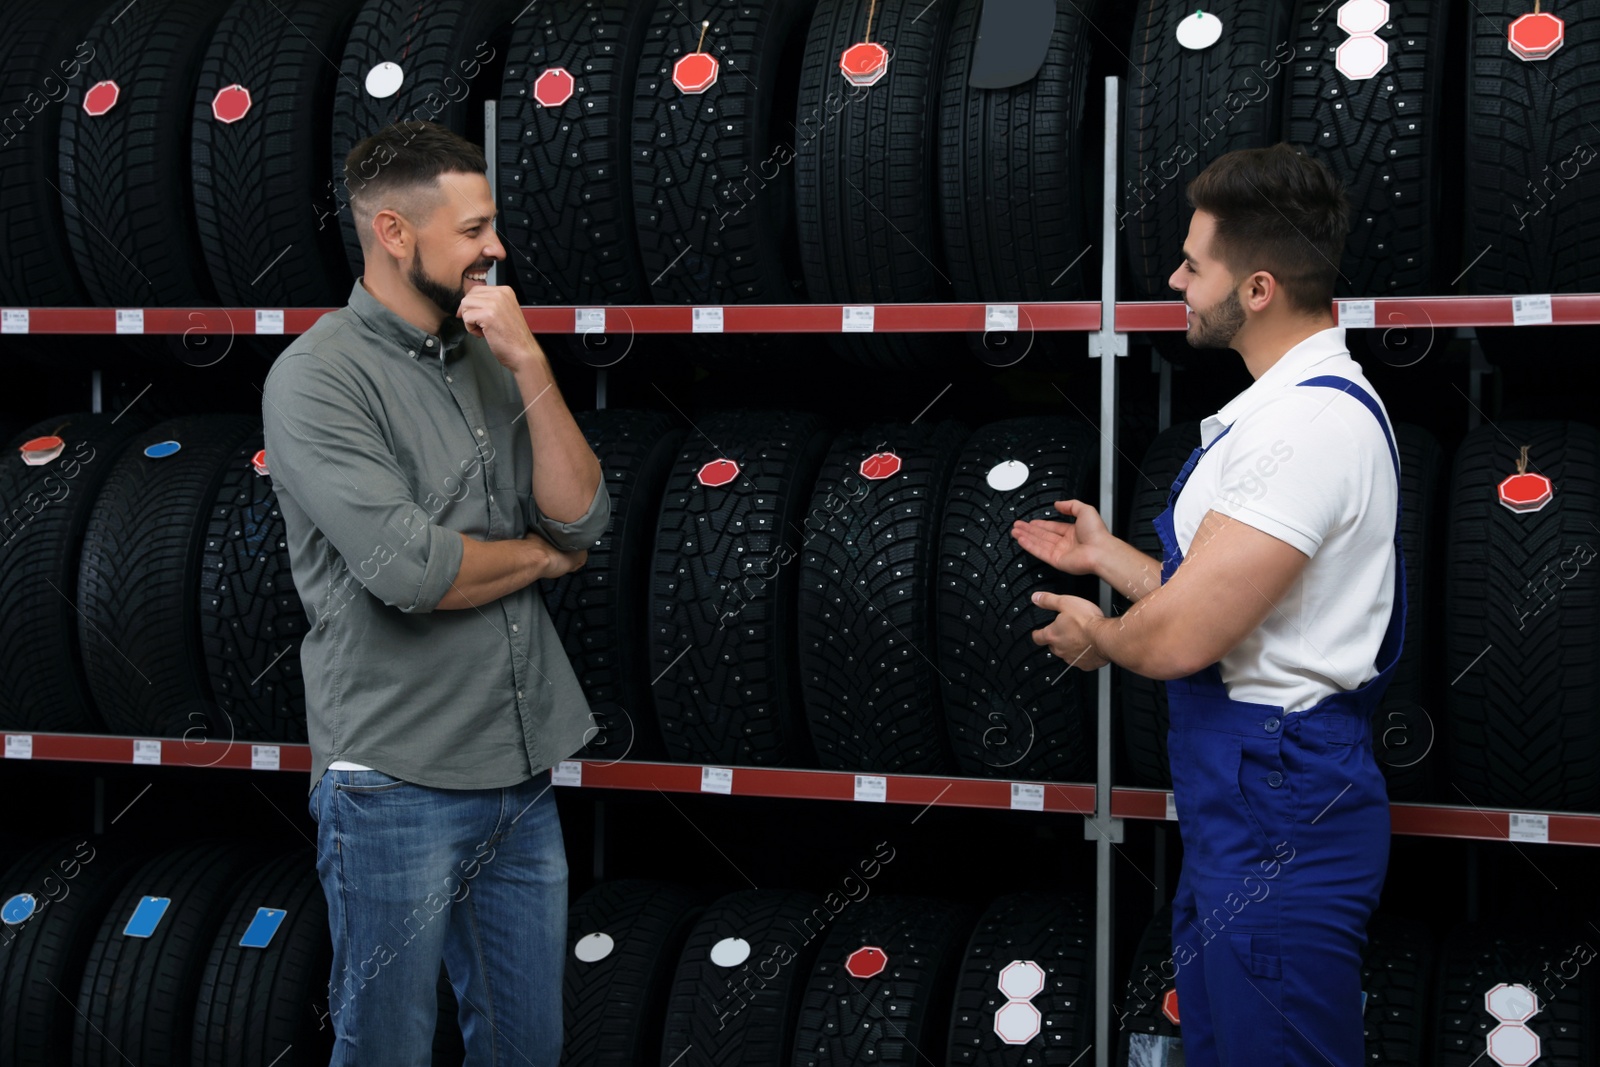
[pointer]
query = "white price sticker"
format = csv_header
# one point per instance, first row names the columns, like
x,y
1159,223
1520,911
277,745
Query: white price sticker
x,y
1358,314
1531,310
716,779
269,320
1172,808
859,319
19,746
147,752
707,320
14,320
567,772
130,320
1525,827
1000,317
1027,797
587,319
264,758
872,787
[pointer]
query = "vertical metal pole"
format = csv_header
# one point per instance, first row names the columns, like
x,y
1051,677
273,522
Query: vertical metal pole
x,y
99,805
491,165
599,840
600,389
1164,412
95,394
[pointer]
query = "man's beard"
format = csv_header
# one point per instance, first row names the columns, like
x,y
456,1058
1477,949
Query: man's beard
x,y
1217,327
446,299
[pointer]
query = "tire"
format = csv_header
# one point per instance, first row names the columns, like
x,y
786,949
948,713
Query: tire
x,y
1477,957
647,923
138,580
1524,715
1011,710
722,648
600,610
1193,88
449,52
1143,701
1382,137
137,998
886,1018
251,618
41,62
45,688
691,165
866,602
1015,173
566,202
126,187
261,246
1142,1025
738,1016
1397,977
864,172
72,880
1054,932
256,1004
1531,190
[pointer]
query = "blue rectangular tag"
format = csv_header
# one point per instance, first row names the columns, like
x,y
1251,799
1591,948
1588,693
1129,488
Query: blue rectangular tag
x,y
146,917
262,927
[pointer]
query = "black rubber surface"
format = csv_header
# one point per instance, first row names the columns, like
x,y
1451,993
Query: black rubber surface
x,y
139,580
257,1007
1397,976
710,170
262,245
1382,137
43,513
1185,108
1012,709
126,186
1523,622
566,200
251,617
648,922
1056,933
743,1014
1150,976
866,618
896,1015
601,609
722,590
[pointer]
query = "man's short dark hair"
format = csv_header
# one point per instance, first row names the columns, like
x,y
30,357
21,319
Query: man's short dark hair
x,y
1281,211
399,167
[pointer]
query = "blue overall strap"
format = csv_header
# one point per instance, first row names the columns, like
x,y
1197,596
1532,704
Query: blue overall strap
x,y
1189,465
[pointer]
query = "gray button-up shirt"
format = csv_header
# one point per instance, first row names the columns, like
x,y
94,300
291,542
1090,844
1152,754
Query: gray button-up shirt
x,y
384,441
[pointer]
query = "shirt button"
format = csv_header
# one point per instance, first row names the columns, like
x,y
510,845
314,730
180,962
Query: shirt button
x,y
412,354
429,342
480,431
513,627
519,694
448,378
1274,779
1272,725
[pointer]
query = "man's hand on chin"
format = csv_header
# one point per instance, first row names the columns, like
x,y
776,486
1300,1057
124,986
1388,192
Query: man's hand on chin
x,y
492,313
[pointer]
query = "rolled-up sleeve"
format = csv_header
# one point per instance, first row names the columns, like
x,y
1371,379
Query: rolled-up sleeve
x,y
328,453
579,534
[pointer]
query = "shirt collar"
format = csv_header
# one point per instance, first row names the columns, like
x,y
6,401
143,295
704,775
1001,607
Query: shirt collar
x,y
1290,368
408,339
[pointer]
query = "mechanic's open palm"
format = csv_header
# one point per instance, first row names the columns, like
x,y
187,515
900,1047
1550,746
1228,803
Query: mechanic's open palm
x,y
1066,546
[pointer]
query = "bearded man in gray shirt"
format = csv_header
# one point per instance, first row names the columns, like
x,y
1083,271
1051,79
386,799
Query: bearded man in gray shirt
x,y
429,474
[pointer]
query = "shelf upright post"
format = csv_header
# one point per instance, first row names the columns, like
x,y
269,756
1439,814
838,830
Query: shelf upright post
x,y
490,144
1106,345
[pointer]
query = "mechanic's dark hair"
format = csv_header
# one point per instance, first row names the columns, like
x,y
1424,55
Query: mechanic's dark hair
x,y
399,167
1281,211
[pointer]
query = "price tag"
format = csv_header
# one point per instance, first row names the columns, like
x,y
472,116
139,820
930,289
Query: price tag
x,y
872,787
264,758
1525,827
587,319
19,746
859,319
1531,311
14,320
1000,317
259,933
1027,797
1172,808
1358,314
269,321
716,779
130,320
707,320
147,752
567,772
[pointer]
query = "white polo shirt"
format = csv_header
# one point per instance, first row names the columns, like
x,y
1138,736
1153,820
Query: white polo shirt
x,y
1309,466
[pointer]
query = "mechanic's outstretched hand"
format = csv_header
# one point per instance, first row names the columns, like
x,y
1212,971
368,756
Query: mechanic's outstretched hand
x,y
1066,637
492,313
1066,546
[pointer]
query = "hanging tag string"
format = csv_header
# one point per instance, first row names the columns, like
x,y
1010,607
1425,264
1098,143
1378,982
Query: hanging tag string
x,y
872,9
1522,461
704,26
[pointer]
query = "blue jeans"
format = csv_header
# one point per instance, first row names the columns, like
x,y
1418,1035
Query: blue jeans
x,y
474,877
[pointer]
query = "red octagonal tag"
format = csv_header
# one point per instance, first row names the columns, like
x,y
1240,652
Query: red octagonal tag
x,y
1169,1006
554,87
695,72
1526,492
101,97
880,465
231,103
864,64
866,961
718,472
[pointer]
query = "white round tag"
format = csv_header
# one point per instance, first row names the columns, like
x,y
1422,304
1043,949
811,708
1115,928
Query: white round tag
x,y
591,948
384,79
730,952
1008,475
1199,30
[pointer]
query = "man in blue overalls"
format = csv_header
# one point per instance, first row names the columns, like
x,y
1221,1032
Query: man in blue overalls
x,y
1275,616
